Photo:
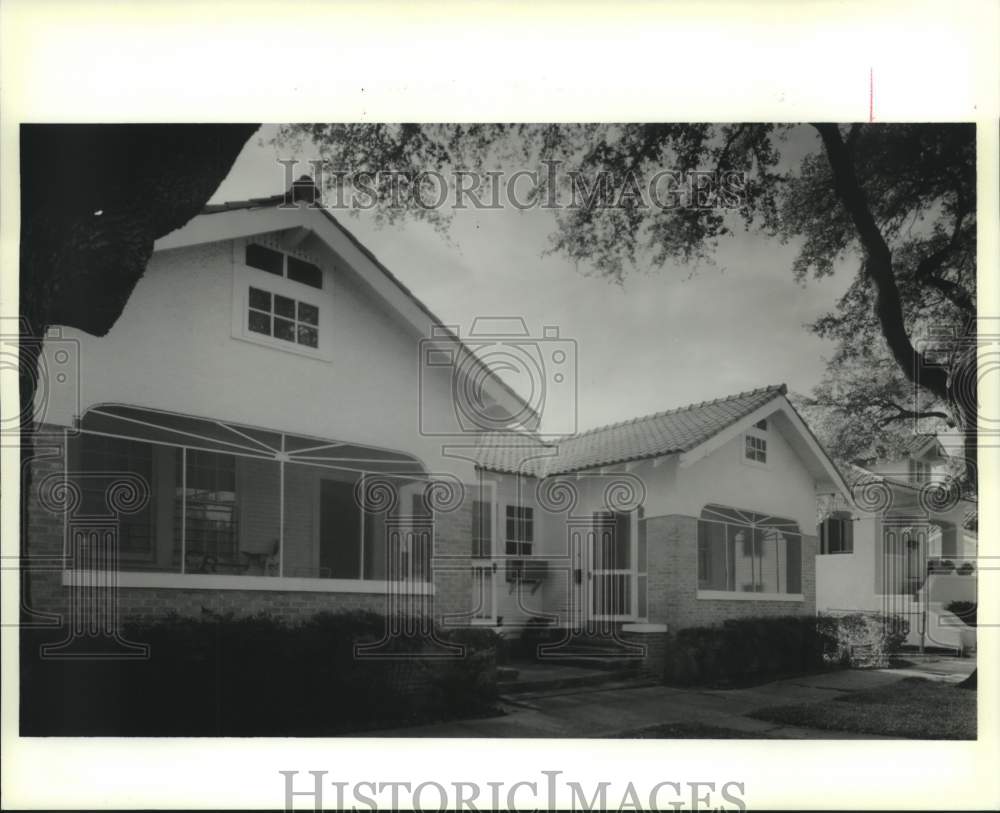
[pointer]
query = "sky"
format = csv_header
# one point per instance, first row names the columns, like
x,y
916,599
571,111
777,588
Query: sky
x,y
667,337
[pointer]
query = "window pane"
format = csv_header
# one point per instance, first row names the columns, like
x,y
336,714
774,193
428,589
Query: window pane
x,y
308,336
283,329
260,323
308,313
714,557
99,455
793,565
283,306
261,300
306,273
210,521
265,259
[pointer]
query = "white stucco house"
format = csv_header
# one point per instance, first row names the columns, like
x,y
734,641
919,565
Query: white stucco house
x,y
277,424
902,546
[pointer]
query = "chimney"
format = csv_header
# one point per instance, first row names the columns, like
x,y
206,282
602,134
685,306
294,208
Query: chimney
x,y
304,190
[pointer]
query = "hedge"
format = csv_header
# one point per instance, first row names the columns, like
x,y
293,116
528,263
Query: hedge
x,y
257,676
751,649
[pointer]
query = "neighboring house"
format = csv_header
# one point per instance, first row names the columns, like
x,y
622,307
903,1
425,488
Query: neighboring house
x,y
276,424
902,547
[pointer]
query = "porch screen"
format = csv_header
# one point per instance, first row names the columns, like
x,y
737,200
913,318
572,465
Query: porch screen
x,y
748,552
228,499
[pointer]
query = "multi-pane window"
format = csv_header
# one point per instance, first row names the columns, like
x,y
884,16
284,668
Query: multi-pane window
x,y
836,534
482,528
520,530
101,458
283,318
920,471
283,265
744,551
756,448
208,501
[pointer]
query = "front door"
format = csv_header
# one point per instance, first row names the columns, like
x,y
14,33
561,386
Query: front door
x,y
610,571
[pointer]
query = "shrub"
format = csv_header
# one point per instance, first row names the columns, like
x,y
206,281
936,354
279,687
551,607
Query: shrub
x,y
863,640
966,610
940,566
744,649
524,647
258,676
966,569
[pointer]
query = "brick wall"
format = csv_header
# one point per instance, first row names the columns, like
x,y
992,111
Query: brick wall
x,y
452,564
673,580
146,603
42,590
654,659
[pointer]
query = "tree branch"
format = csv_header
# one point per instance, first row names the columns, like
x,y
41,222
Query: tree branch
x,y
878,265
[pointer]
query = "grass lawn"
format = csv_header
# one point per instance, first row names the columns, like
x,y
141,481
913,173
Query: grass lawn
x,y
914,708
688,731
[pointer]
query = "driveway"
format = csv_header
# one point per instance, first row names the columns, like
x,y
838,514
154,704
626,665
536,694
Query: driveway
x,y
612,709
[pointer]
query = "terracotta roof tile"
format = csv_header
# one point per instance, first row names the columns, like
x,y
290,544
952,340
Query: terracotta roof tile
x,y
676,430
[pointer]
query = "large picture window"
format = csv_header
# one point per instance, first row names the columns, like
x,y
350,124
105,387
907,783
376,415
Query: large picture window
x,y
748,552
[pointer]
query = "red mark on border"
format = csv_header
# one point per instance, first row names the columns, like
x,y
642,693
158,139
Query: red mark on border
x,y
871,94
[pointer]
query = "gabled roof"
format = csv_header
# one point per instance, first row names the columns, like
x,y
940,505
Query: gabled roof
x,y
289,210
919,443
673,431
857,476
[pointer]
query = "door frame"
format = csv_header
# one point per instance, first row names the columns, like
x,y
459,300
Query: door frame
x,y
632,571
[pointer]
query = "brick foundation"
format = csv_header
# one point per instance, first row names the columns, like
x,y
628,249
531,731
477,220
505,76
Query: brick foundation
x,y
655,643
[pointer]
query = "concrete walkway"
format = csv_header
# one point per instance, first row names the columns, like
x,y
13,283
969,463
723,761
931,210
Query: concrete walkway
x,y
613,709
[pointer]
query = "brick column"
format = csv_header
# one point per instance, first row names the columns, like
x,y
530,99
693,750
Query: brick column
x,y
44,599
452,562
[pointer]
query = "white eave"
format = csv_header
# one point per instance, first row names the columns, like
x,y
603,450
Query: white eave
x,y
793,429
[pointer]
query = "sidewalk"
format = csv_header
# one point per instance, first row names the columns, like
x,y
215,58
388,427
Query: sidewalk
x,y
609,711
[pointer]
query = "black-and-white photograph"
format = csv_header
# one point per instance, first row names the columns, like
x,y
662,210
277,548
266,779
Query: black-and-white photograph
x,y
641,464
586,430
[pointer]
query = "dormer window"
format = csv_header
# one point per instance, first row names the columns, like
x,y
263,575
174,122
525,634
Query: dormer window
x,y
755,444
